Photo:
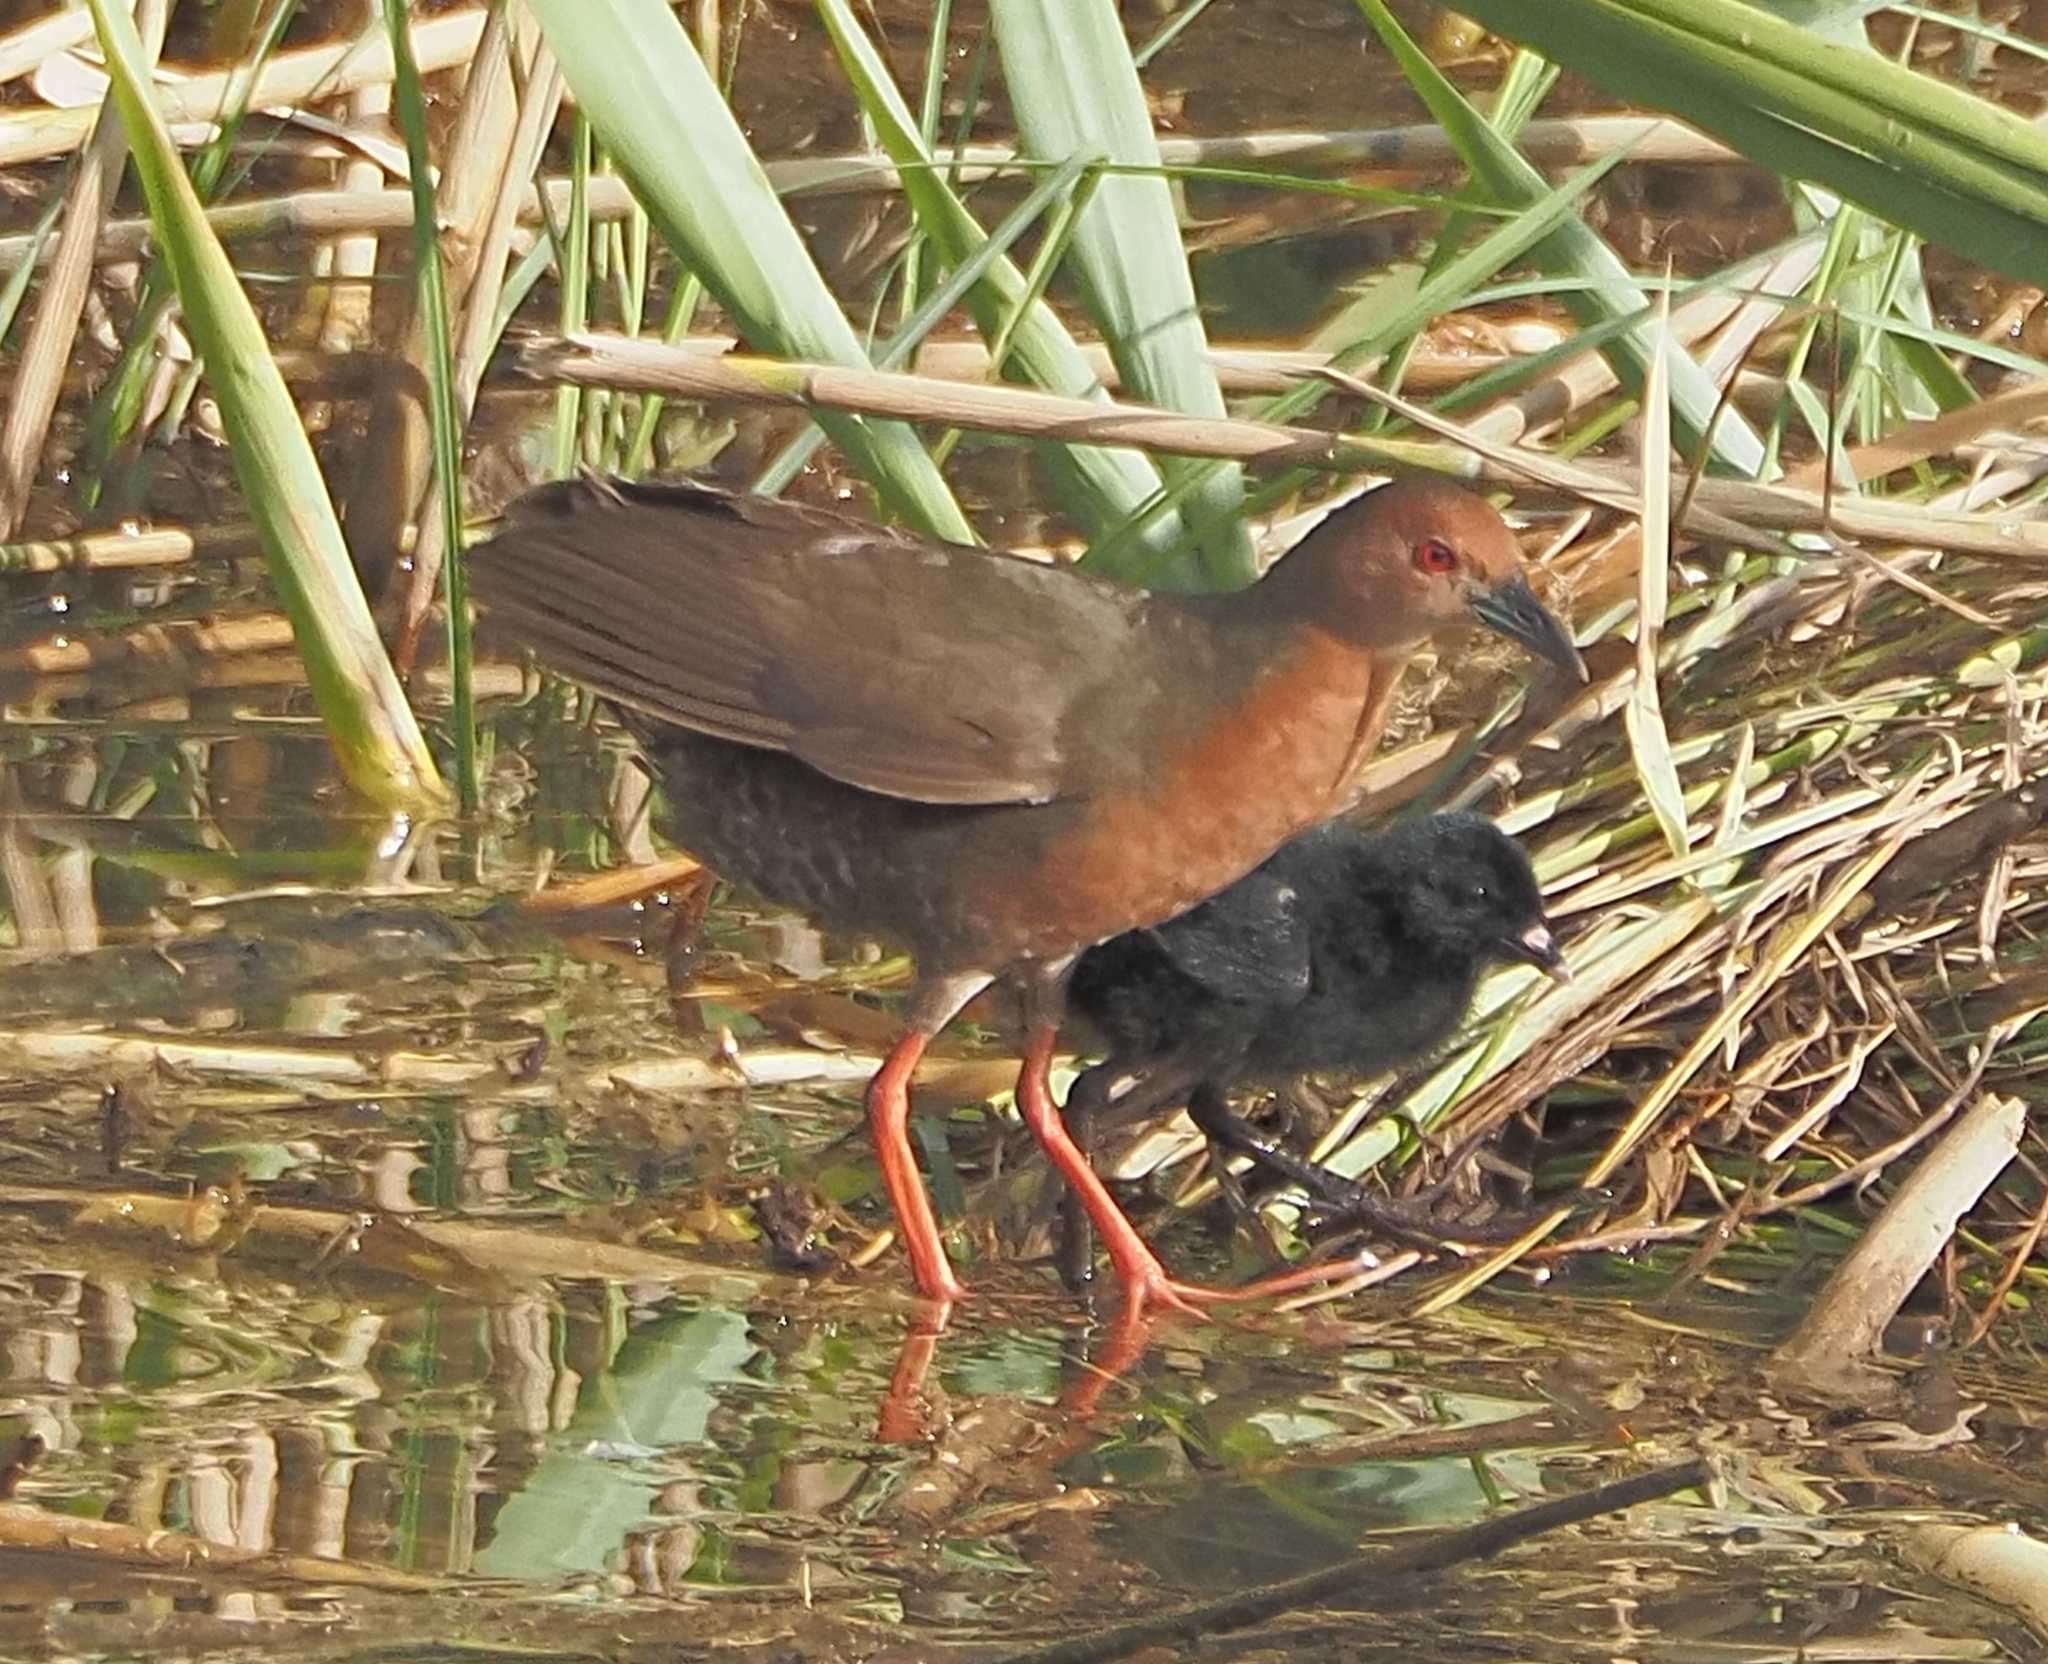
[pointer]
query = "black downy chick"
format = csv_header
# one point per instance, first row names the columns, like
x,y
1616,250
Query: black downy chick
x,y
1348,951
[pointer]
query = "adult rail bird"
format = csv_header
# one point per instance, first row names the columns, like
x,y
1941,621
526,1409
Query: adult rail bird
x,y
990,761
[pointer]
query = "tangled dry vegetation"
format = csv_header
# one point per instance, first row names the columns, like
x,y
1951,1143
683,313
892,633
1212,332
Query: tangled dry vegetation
x,y
1803,864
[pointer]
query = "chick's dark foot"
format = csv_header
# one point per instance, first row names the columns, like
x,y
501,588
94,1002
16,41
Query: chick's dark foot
x,y
1420,1221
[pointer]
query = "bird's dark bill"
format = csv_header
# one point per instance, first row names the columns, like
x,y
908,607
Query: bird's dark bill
x,y
1511,607
1538,947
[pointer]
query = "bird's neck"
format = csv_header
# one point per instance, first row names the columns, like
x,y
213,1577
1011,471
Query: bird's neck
x,y
1388,666
1351,690
1315,586
1238,776
1332,686
1306,662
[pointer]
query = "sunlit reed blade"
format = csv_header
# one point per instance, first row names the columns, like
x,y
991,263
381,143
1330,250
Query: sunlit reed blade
x,y
1075,92
661,117
1643,715
375,738
1935,158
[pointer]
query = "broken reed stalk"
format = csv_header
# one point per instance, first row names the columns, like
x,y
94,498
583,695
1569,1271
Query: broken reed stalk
x,y
1718,506
23,50
1364,1581
1832,1350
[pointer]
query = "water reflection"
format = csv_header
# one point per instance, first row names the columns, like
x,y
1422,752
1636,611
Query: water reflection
x,y
598,1432
411,1236
621,1455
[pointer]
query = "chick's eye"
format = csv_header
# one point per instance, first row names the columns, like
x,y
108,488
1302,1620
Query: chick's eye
x,y
1433,555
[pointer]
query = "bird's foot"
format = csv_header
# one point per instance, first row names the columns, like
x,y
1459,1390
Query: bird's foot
x,y
1147,1287
1416,1219
1151,1291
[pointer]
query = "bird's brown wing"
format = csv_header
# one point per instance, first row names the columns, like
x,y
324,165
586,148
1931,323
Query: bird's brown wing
x,y
919,669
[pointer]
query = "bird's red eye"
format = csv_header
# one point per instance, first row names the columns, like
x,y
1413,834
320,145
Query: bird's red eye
x,y
1435,556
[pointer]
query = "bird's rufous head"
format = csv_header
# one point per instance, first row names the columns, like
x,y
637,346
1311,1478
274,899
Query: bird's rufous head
x,y
1419,558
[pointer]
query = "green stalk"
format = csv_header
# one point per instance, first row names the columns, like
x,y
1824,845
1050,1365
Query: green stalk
x,y
682,311
376,741
443,407
930,104
1075,92
572,273
1052,249
970,272
15,289
661,117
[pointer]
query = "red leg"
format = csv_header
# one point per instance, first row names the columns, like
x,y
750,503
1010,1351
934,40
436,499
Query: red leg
x,y
906,1409
1138,1270
1121,1348
889,1126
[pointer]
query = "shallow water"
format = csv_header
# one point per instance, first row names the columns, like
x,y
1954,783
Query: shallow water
x,y
601,1425
579,1412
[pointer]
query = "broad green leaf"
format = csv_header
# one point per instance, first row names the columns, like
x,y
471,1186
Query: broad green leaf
x,y
1611,291
1940,161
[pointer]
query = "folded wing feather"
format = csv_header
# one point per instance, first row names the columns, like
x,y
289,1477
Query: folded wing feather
x,y
918,669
